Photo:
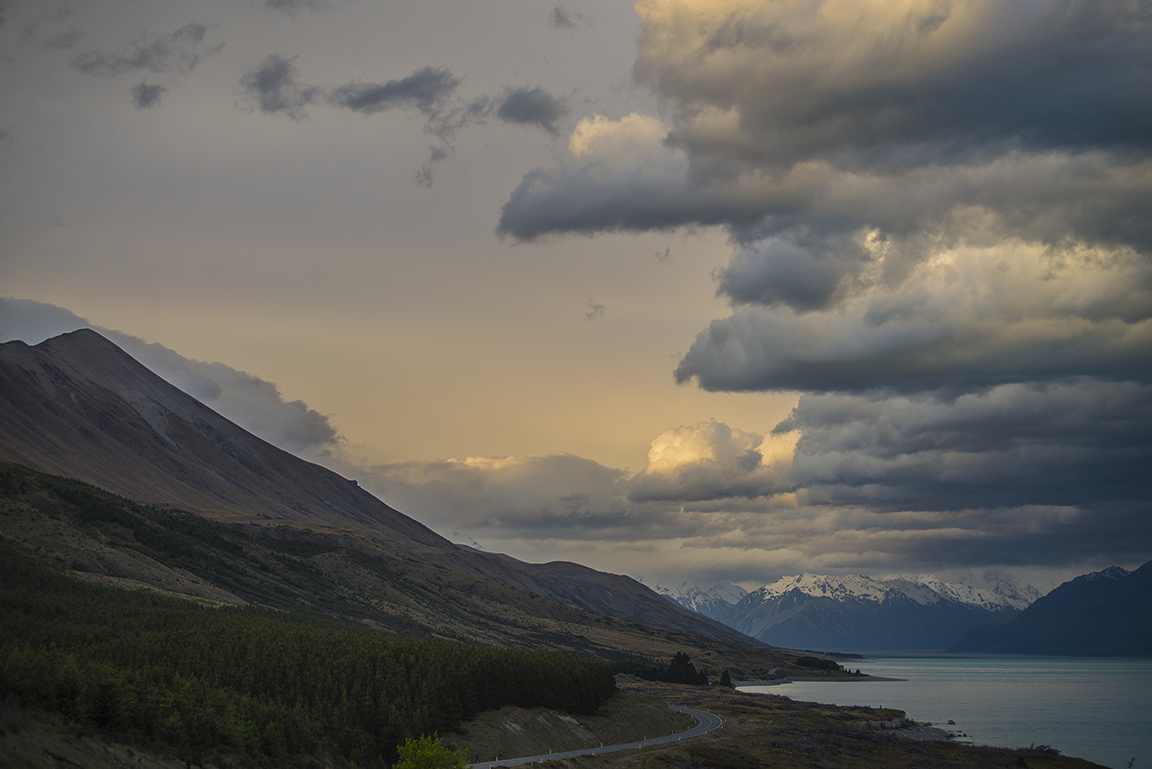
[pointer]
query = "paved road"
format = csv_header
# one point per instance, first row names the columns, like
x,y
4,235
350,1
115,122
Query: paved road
x,y
706,722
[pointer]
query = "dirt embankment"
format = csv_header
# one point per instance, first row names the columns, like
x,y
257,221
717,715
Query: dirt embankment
x,y
510,731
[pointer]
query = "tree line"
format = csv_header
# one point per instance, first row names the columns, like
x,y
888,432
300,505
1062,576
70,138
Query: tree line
x,y
679,670
254,684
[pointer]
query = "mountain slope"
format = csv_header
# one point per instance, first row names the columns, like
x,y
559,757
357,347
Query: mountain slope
x,y
77,405
861,613
1106,613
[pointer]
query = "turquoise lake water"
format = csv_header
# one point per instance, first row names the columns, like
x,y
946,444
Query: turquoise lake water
x,y
1095,709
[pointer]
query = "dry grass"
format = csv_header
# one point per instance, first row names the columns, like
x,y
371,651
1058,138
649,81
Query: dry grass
x,y
628,716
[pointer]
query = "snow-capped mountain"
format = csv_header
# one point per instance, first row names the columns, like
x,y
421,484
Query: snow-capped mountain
x,y
714,600
855,612
994,591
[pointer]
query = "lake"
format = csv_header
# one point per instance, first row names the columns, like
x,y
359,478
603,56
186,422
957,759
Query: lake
x,y
1099,709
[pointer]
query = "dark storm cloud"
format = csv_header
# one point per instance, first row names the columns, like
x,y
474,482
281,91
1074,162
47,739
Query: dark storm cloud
x,y
778,272
145,96
898,88
1044,474
1073,443
271,87
1028,536
425,90
783,120
179,51
977,319
532,106
593,197
753,350
916,257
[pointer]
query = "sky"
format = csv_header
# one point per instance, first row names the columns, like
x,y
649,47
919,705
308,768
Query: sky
x,y
717,290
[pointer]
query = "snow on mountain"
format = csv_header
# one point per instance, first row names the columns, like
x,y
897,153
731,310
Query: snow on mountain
x,y
1111,573
687,593
714,600
994,590
857,612
838,588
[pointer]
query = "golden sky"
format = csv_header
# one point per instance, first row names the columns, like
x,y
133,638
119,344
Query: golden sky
x,y
724,289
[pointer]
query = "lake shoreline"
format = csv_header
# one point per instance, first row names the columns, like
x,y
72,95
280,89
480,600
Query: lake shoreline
x,y
809,679
1089,707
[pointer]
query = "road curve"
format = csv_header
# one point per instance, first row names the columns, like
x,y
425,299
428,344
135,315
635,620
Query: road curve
x,y
706,722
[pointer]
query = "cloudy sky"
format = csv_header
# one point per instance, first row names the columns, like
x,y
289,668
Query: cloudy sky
x,y
704,289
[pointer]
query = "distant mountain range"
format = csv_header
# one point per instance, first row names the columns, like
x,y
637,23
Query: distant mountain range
x,y
1105,613
78,406
858,613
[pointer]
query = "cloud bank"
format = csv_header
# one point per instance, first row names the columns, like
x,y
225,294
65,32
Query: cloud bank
x,y
844,486
1037,475
939,230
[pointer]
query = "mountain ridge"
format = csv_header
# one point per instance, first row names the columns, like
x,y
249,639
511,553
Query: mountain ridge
x,y
860,613
1104,613
77,405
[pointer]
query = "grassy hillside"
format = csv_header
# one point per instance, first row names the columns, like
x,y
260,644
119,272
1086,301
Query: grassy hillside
x,y
257,683
97,536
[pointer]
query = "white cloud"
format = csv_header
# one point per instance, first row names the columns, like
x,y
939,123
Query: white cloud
x,y
713,461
